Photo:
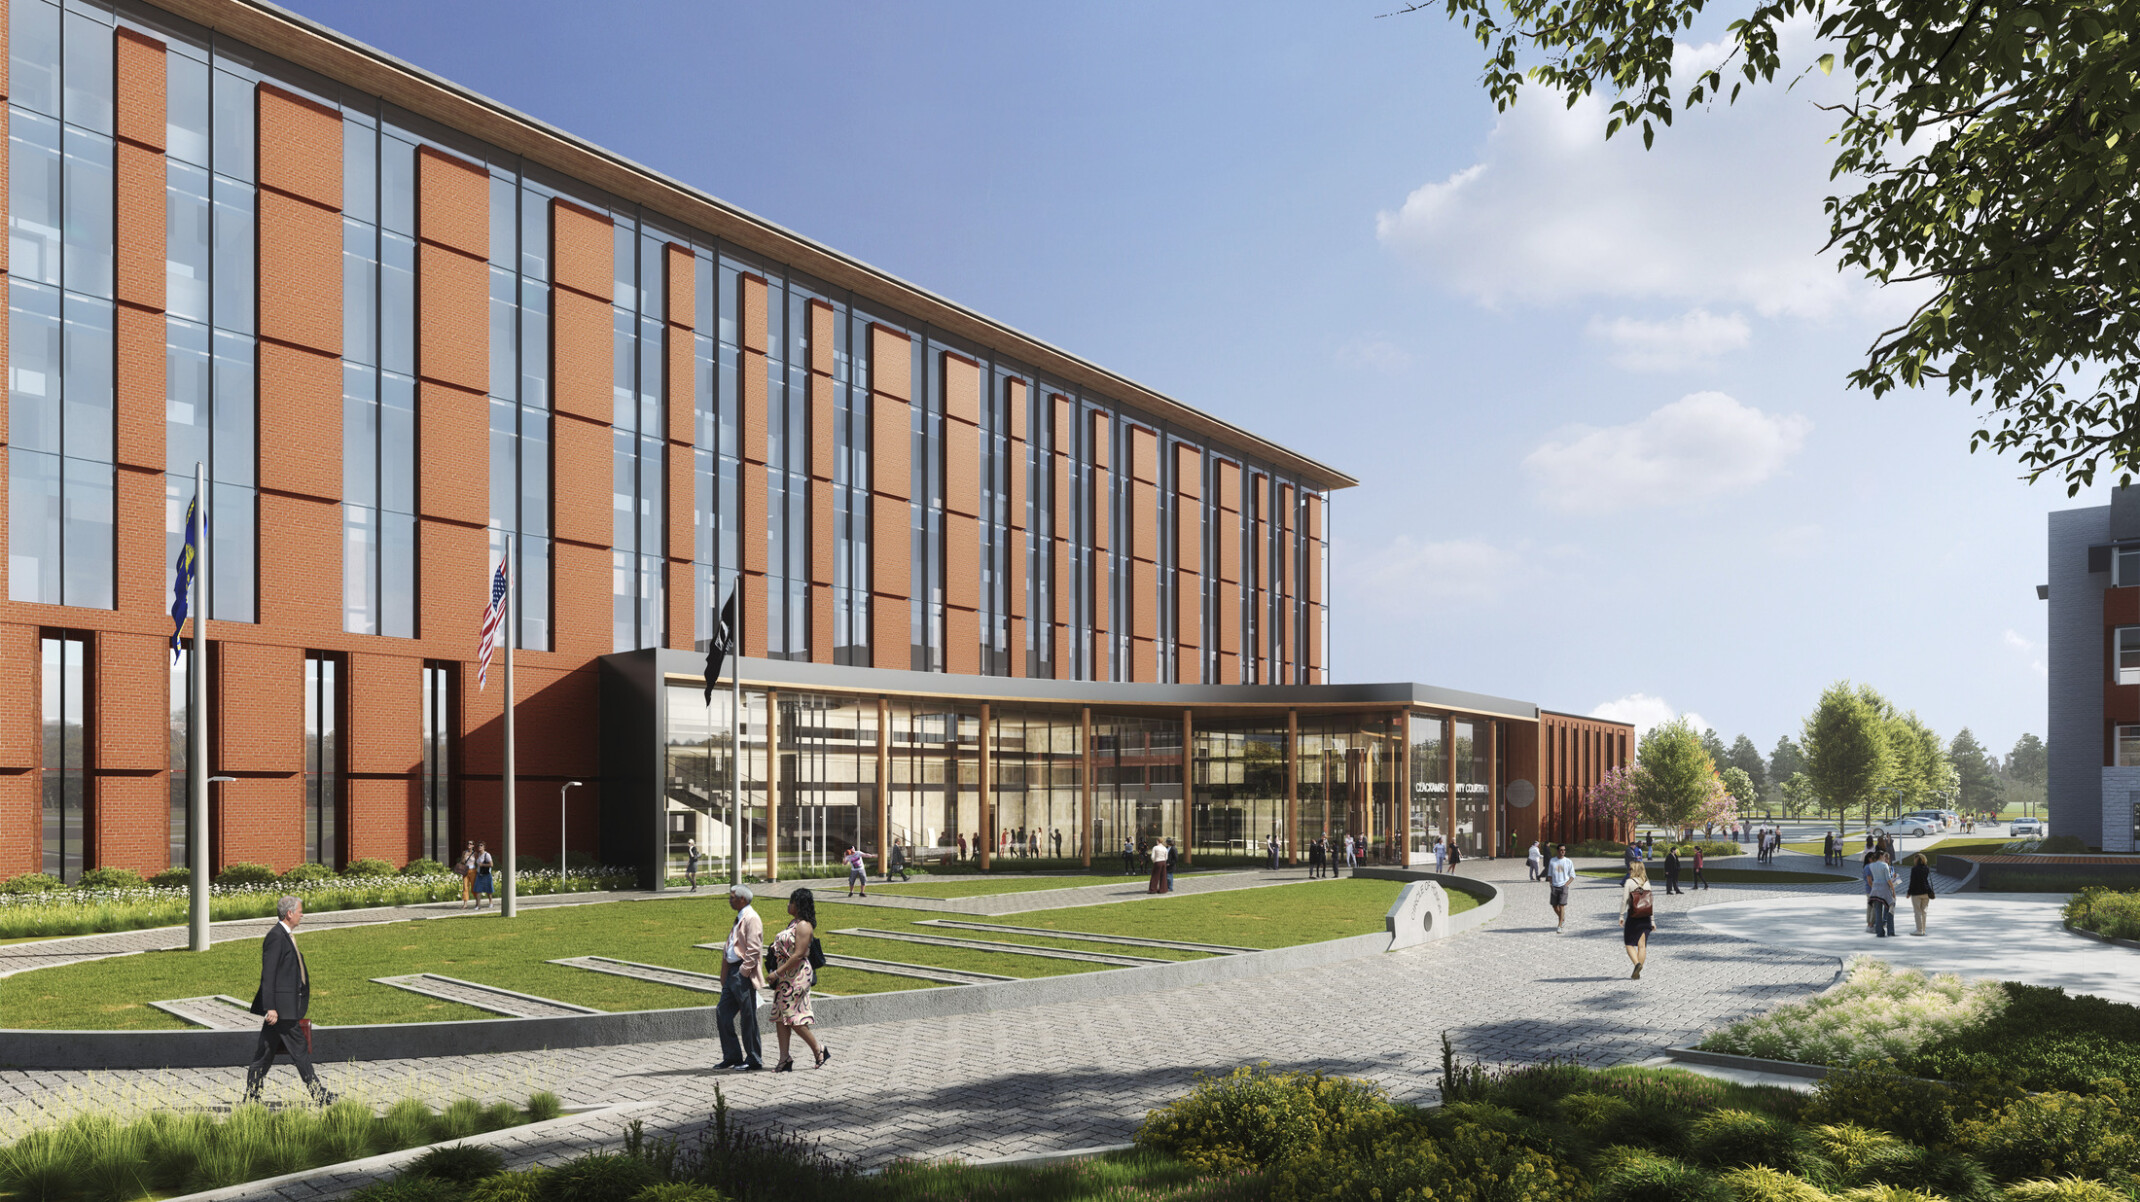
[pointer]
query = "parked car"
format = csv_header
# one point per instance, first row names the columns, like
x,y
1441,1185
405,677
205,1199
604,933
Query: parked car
x,y
1937,818
1906,827
2028,826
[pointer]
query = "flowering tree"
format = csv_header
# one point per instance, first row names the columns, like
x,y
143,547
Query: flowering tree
x,y
1615,796
1720,806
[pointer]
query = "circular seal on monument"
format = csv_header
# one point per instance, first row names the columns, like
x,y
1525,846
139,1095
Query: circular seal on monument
x,y
1520,793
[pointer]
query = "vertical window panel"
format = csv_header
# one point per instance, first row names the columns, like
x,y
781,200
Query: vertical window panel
x,y
33,55
188,235
87,70
33,214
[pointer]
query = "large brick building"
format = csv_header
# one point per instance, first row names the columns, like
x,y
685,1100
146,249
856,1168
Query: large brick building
x,y
988,586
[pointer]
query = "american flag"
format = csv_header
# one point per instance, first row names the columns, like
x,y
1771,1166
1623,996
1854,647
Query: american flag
x,y
493,618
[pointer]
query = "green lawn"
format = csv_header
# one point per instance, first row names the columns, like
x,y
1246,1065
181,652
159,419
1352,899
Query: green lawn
x,y
491,951
981,886
1729,876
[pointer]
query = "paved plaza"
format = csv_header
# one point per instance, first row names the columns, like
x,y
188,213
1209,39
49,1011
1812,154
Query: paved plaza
x,y
1074,1075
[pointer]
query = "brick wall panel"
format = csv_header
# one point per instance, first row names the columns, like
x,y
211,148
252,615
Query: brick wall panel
x,y
580,482
301,151
131,821
300,248
891,444
962,388
131,686
580,601
138,253
554,734
452,202
583,257
385,818
138,88
752,523
682,605
259,704
680,285
138,423
453,454
962,642
453,318
682,505
21,714
962,589
822,339
679,378
823,412
21,820
296,597
750,406
261,820
822,636
752,606
144,571
890,550
750,309
453,570
891,363
822,545
385,718
962,468
582,375
300,408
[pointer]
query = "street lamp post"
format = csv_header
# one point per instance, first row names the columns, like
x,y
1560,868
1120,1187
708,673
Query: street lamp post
x,y
561,791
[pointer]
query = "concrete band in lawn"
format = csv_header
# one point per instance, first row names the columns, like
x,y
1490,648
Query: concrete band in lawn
x,y
21,1049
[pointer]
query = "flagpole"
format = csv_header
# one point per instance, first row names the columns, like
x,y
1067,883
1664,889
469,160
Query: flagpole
x,y
511,904
197,728
735,744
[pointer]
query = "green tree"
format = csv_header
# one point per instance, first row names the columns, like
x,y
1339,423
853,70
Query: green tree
x,y
1674,782
1713,746
1747,758
1984,151
1740,786
1918,775
1785,762
1976,778
1799,797
2030,762
1844,741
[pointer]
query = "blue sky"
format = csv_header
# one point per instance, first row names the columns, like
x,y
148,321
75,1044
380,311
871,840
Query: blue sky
x,y
1595,396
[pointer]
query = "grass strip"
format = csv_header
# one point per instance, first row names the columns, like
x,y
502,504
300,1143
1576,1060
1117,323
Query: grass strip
x,y
1728,876
1265,917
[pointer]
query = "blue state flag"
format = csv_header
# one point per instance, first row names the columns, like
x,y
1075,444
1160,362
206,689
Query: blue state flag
x,y
182,584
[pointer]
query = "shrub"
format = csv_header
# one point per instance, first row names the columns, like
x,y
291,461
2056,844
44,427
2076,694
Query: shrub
x,y
368,866
406,1124
1253,1118
110,878
1596,1113
1851,1148
1878,1012
1635,1176
302,874
499,1115
1945,1172
1537,1089
459,1120
1472,1164
509,1187
2063,1189
2041,1039
245,873
29,882
2058,1132
598,1177
462,1164
409,1189
172,878
2062,845
1887,1193
1741,1138
678,1191
1762,1184
424,868
544,1106
1881,1097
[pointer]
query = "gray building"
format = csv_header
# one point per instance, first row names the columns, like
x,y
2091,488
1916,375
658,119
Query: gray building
x,y
2094,635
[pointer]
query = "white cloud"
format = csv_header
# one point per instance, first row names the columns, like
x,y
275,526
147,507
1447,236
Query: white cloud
x,y
1645,712
2032,649
1403,574
1375,354
1725,210
1702,445
1690,340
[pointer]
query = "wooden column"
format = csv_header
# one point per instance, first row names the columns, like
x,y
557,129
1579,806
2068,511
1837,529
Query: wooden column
x,y
1084,776
1493,797
1189,565
1449,763
1292,786
961,487
884,785
988,825
772,785
1188,786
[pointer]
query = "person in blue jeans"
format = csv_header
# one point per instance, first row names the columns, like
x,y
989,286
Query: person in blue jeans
x,y
1880,888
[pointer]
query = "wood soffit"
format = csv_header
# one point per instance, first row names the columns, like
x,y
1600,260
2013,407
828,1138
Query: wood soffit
x,y
318,48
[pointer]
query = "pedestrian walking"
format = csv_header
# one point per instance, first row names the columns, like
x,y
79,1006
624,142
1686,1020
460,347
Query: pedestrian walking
x,y
1058,845
1129,854
284,996
1350,861
1671,869
1535,861
484,866
1270,844
1827,850
1560,875
1158,883
1699,882
857,871
1921,894
1172,855
1880,888
1456,855
962,848
1441,855
1638,917
691,864
466,866
794,953
736,1018
1631,858
897,866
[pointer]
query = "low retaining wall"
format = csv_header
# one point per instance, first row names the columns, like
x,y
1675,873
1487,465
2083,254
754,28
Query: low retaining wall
x,y
2084,933
1962,867
409,1041
1752,1064
2045,874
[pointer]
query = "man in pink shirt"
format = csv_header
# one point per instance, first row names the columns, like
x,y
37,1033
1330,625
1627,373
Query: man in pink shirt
x,y
742,976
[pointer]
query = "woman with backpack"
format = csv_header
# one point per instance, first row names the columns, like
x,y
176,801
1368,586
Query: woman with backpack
x,y
1638,917
1920,889
791,968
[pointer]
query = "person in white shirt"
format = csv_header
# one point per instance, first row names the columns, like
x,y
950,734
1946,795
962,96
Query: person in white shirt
x,y
1560,875
1158,882
1535,860
1350,861
742,976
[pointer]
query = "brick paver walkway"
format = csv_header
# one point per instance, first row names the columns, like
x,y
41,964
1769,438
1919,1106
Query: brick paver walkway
x,y
1082,1074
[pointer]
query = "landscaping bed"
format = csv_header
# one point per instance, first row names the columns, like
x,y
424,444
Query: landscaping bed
x,y
2029,1036
1724,876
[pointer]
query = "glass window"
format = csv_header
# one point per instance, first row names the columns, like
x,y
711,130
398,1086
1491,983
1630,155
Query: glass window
x,y
233,461
181,695
66,738
2127,657
86,382
397,444
33,526
185,109
88,197
360,291
2125,566
186,396
397,575
323,777
360,569
503,420
360,173
187,234
233,523
87,72
233,143
86,547
397,304
360,435
234,281
438,724
33,197
33,367
33,55
397,186
2129,747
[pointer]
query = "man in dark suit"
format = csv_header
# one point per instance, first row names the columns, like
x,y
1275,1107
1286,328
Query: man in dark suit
x,y
285,994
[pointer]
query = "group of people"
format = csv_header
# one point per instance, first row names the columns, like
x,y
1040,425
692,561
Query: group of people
x,y
788,967
477,870
1326,854
1022,843
1766,840
1162,855
1880,875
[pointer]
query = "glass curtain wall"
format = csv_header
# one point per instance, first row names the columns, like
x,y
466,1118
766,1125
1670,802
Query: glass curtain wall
x,y
698,755
934,800
828,777
66,739
437,808
639,486
323,767
378,378
1429,791
1136,781
1038,789
1475,784
520,397
1348,777
61,449
1239,788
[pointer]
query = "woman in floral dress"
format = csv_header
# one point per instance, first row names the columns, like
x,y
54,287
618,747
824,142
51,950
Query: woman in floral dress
x,y
792,977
